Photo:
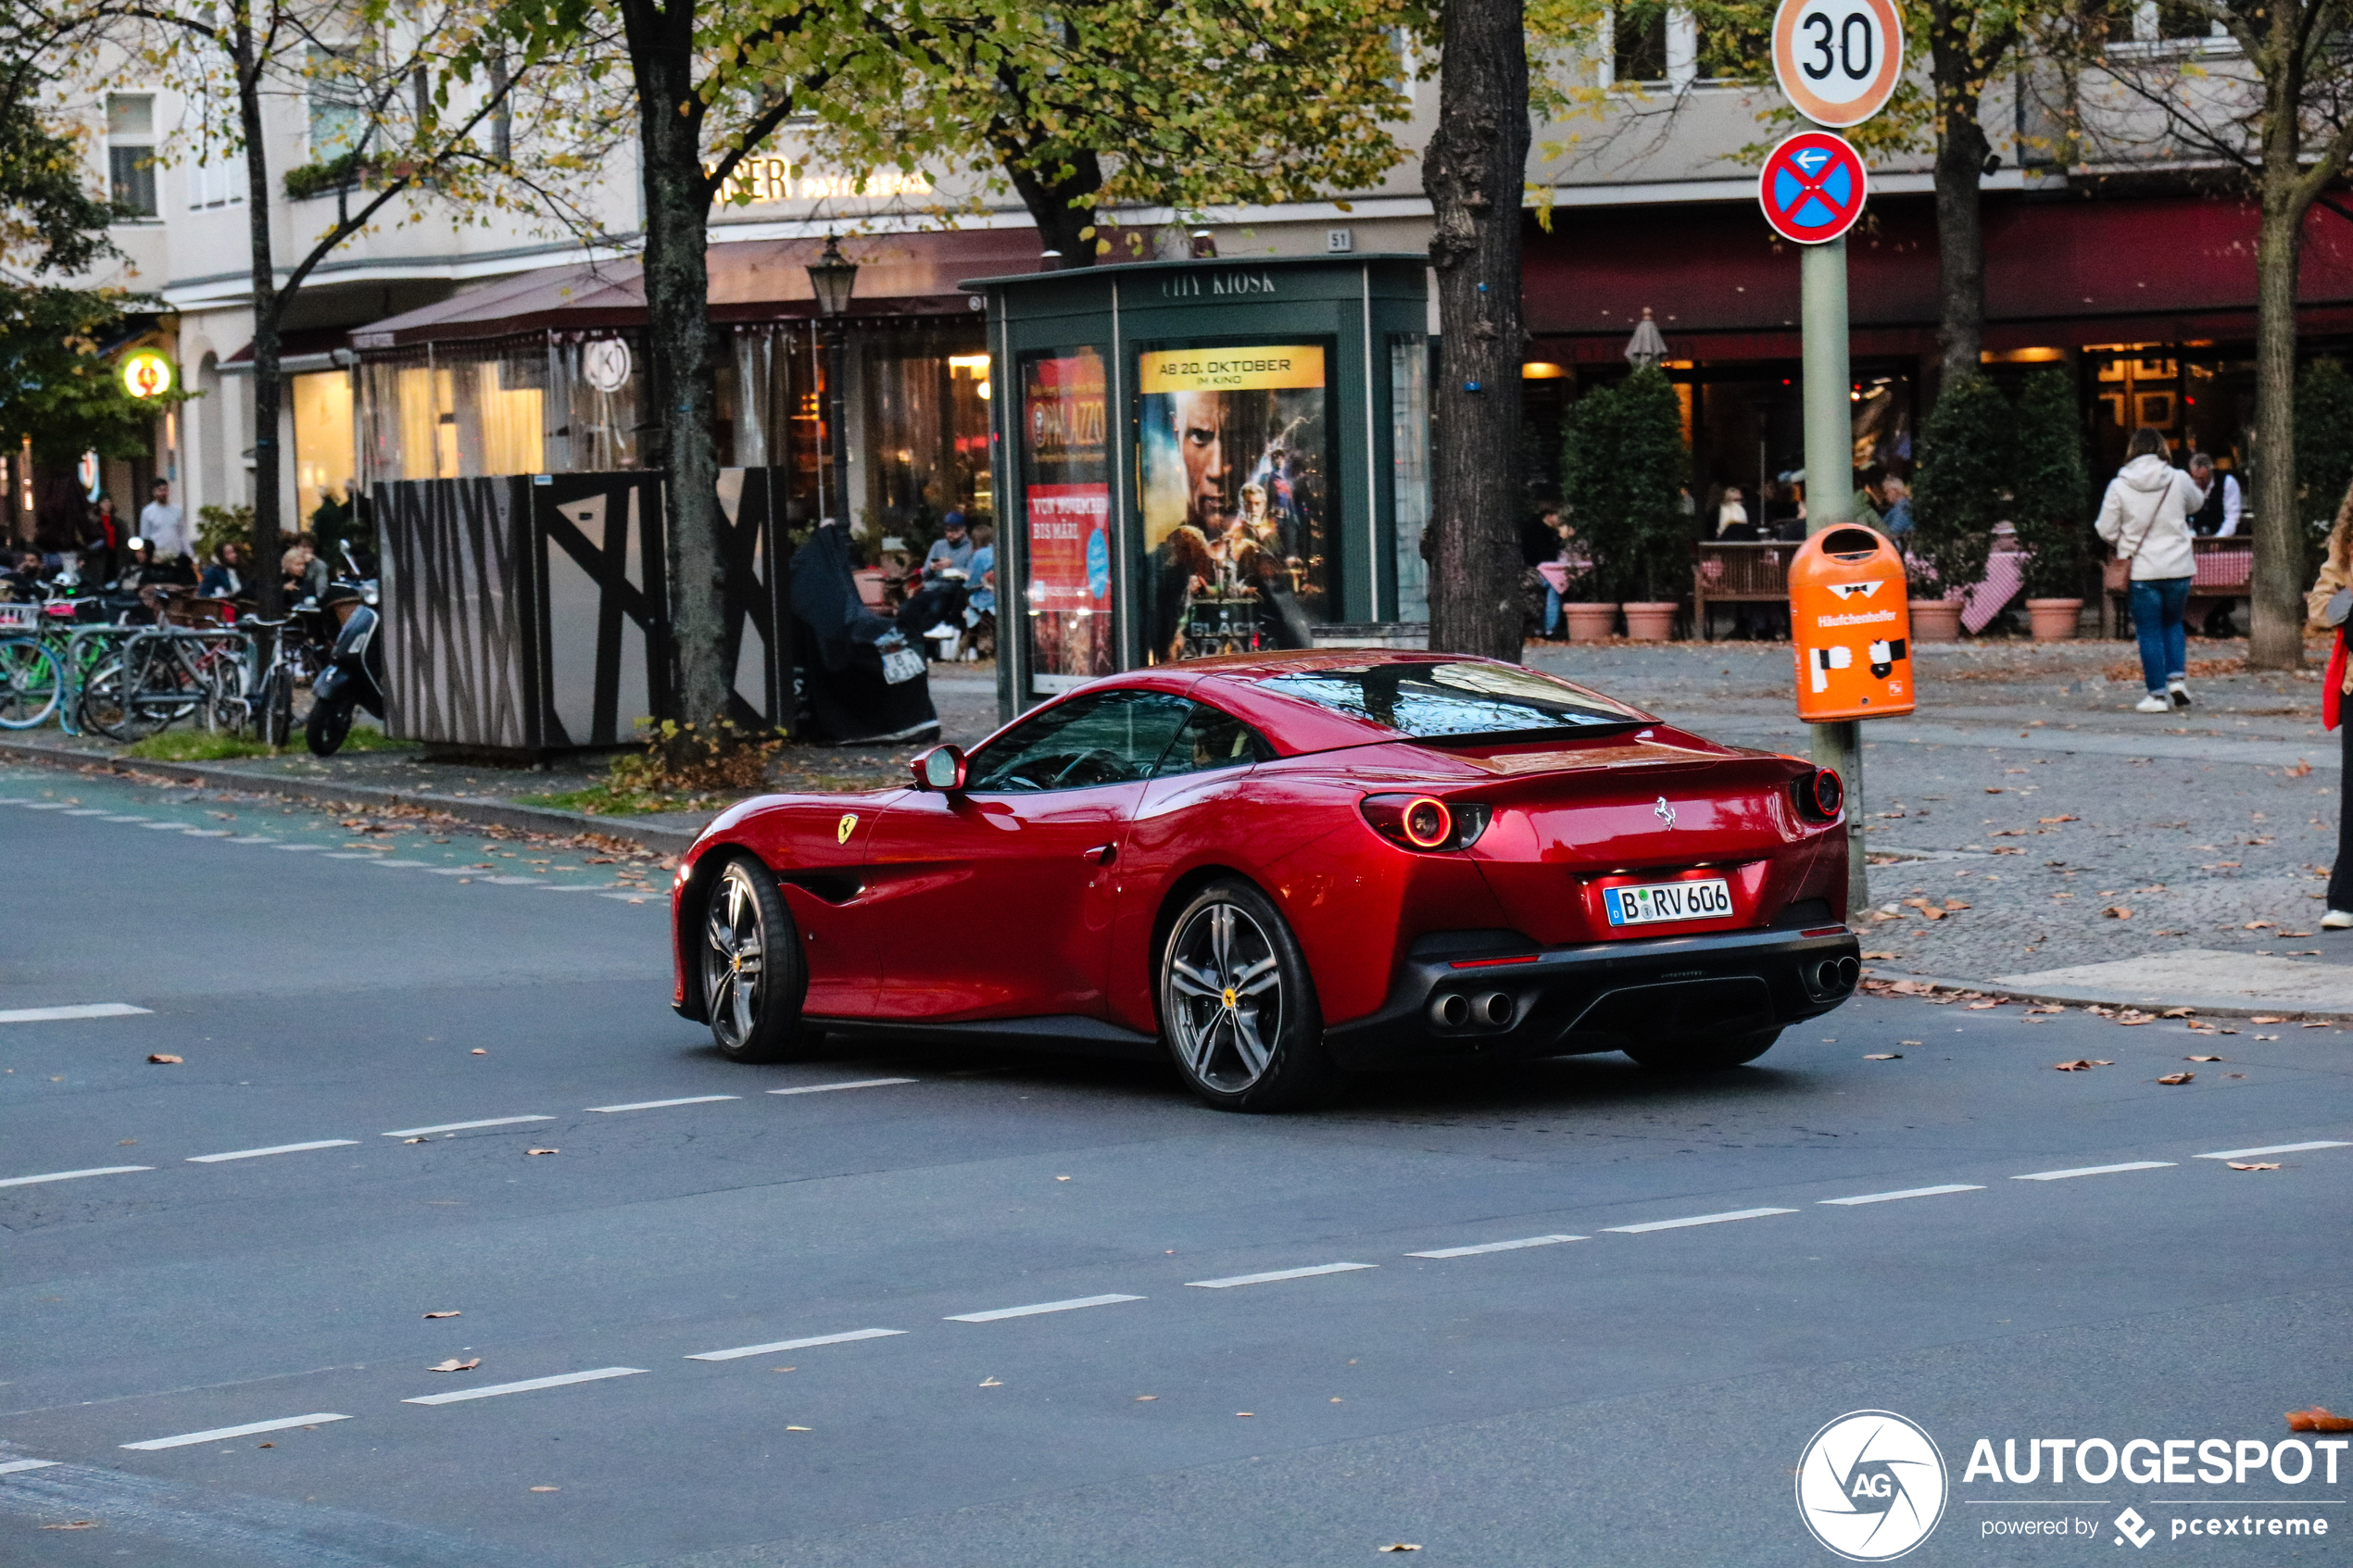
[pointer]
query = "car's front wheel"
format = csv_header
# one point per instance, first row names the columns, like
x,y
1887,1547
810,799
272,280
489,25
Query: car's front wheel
x,y
753,978
1706,1055
1237,1005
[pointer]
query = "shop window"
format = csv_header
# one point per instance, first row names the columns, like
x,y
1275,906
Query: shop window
x,y
131,152
1409,468
926,428
325,458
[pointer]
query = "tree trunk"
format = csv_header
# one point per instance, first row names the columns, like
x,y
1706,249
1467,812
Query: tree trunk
x,y
2275,638
1061,226
1961,148
1474,172
678,349
269,381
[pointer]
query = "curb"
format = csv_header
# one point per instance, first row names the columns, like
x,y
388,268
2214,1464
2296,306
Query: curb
x,y
484,813
2215,1007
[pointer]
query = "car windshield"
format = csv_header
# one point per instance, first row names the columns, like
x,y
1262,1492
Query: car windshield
x,y
1456,701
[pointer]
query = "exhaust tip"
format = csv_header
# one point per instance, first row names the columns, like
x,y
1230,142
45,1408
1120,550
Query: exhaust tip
x,y
1450,1012
1494,1009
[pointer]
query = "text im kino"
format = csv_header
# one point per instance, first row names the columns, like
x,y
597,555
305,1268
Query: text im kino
x,y
2148,1461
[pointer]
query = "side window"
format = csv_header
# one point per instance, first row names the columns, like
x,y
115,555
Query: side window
x,y
1211,739
1115,738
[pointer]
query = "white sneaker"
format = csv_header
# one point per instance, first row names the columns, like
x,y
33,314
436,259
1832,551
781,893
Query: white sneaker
x,y
2337,920
2177,694
2152,704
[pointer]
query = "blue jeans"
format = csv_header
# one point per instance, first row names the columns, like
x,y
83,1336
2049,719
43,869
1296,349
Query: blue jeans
x,y
2158,605
1552,610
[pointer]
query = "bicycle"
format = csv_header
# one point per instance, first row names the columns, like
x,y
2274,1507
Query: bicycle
x,y
32,681
165,674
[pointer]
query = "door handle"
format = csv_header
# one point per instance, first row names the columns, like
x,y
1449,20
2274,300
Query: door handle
x,y
1102,854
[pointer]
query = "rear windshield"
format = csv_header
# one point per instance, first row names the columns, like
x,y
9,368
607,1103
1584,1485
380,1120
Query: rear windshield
x,y
1457,701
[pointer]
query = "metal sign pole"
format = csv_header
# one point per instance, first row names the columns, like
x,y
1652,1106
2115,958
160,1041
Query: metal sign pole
x,y
1829,500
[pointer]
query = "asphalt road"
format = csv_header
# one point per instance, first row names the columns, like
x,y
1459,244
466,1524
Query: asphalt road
x,y
1618,1391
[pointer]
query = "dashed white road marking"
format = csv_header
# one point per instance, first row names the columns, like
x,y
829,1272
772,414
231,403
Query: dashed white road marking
x,y
1270,1278
1698,1220
87,811
2276,1148
47,806
253,838
1908,1192
464,1126
1498,1247
16,1465
453,871
298,848
73,1176
79,1009
1071,1305
572,887
209,832
404,865
2094,1171
126,818
166,827
662,1104
348,855
458,1395
278,1149
826,1088
809,1344
632,897
247,1430
514,881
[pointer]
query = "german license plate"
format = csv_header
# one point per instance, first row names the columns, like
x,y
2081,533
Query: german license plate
x,y
1709,898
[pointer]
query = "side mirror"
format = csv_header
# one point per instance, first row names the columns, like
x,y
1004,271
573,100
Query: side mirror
x,y
941,769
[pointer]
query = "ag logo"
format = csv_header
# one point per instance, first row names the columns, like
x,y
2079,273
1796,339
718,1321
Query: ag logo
x,y
1871,1486
848,825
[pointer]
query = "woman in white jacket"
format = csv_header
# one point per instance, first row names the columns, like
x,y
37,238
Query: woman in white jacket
x,y
2146,517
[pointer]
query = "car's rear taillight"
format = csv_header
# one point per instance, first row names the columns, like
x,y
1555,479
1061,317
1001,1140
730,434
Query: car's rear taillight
x,y
1423,822
1819,795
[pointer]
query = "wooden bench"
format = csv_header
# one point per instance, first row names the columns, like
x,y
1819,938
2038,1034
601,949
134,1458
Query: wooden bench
x,y
1729,572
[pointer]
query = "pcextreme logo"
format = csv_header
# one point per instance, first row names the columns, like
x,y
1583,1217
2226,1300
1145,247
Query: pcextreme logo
x,y
1871,1486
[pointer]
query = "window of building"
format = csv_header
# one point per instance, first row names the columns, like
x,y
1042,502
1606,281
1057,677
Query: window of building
x,y
338,117
927,427
1734,46
131,152
325,462
1637,42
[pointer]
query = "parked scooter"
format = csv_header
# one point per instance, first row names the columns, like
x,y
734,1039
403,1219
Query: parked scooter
x,y
354,676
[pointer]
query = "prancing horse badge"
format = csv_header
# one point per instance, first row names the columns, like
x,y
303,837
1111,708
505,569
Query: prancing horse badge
x,y
848,826
1664,812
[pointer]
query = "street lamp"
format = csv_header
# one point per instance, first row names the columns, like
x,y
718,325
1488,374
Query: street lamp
x,y
833,279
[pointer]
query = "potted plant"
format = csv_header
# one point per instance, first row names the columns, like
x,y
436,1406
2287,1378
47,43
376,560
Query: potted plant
x,y
1623,464
1958,495
2049,487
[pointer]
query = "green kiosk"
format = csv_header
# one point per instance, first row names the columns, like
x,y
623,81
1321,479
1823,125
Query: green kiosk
x,y
1194,457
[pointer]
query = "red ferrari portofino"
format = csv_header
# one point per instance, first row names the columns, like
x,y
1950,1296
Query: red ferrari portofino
x,y
1276,868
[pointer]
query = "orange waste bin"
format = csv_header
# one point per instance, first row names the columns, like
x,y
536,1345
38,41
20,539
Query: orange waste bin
x,y
1851,624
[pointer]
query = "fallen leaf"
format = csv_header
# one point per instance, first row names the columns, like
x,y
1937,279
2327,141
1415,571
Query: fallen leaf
x,y
2259,925
543,1152
2318,1419
443,1314
1884,1056
92,1523
1992,789
1401,1545
477,1051
2177,1078
1980,1006
453,1364
2069,818
2267,1019
2117,911
2047,1007
1243,1415
1062,1178
2078,1064
2177,1012
1146,1398
1953,904
991,1383
801,1429
1907,1042
163,1061
2301,768
2201,1058
1882,954
416,1140
2233,1074
2258,1165
265,1445
783,1368
547,1488
2311,1025
2266,1036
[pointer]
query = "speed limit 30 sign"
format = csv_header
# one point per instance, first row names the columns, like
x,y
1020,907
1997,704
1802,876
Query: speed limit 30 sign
x,y
1838,60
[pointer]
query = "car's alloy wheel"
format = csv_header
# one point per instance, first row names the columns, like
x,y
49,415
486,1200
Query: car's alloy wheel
x,y
1706,1055
1239,1006
752,979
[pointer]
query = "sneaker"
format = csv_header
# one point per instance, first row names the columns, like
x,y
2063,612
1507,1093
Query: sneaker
x,y
2177,694
2337,920
2153,703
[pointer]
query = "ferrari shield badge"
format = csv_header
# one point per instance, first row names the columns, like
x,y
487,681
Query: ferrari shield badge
x,y
848,826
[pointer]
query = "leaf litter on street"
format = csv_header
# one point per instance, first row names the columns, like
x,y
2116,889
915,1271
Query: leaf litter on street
x,y
454,1364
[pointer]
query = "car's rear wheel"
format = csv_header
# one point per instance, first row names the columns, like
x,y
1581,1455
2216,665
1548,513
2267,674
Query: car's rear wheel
x,y
753,978
1708,1055
1238,1004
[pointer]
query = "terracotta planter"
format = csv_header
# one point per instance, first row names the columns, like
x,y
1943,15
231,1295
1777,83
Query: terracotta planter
x,y
1936,621
1651,623
1590,623
2054,620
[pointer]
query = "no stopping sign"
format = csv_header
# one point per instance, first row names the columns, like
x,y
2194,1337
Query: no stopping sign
x,y
1812,187
1838,60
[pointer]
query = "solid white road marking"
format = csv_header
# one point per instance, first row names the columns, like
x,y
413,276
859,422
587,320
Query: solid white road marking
x,y
14,1465
463,1126
71,1175
809,1344
1498,1247
526,1386
85,1010
2094,1171
860,1084
1070,1306
1699,1220
2276,1148
1278,1274
660,1104
280,1148
1908,1192
245,1431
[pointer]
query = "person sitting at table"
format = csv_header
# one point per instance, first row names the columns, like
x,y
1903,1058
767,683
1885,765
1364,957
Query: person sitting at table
x,y
223,578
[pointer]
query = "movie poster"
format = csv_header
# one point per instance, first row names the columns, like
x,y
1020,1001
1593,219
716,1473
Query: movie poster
x,y
1066,490
1236,526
